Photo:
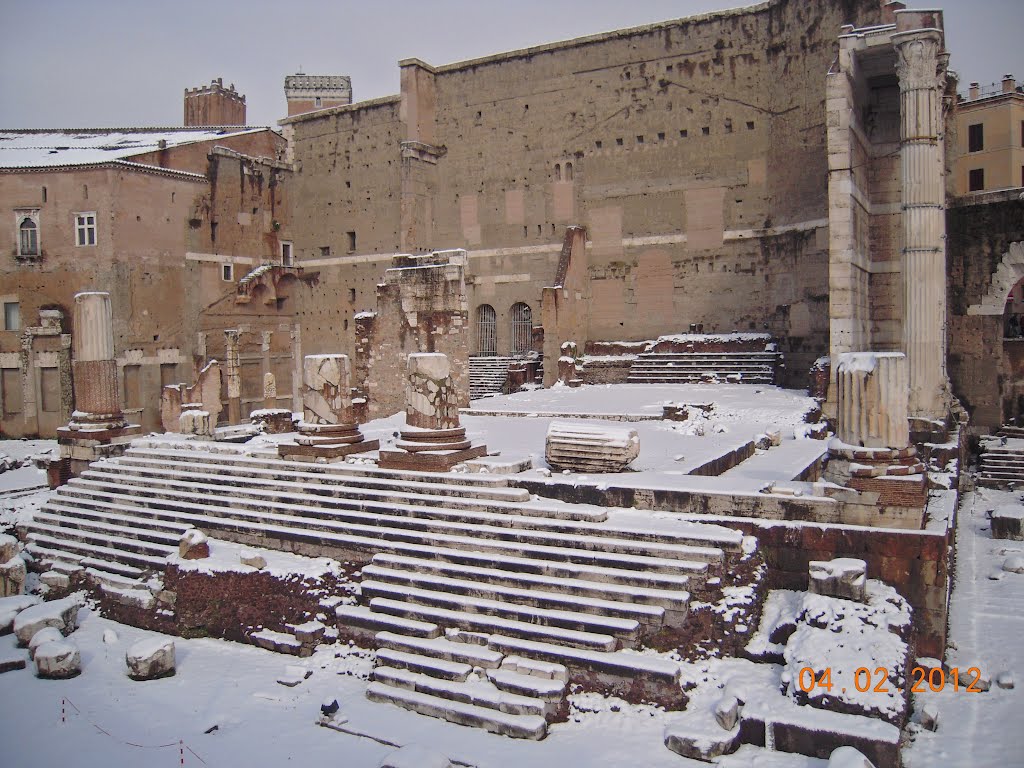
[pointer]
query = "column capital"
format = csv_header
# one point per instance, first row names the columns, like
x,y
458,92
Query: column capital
x,y
920,60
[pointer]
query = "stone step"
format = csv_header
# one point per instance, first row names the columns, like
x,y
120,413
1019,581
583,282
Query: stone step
x,y
287,532
627,630
576,548
491,513
548,518
425,665
673,595
440,648
88,520
118,574
480,694
649,615
362,618
269,460
153,551
547,689
305,473
474,622
623,664
516,726
95,555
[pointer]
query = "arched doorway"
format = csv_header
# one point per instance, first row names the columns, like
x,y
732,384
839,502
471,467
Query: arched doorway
x,y
1012,367
486,331
522,328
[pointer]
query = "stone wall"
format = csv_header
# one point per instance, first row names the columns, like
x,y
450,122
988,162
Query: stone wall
x,y
421,307
692,151
981,271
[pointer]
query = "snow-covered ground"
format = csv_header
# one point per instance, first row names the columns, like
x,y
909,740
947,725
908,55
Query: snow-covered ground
x,y
224,707
17,471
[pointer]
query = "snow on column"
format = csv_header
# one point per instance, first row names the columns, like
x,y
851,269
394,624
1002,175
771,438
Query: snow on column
x,y
97,394
920,65
872,389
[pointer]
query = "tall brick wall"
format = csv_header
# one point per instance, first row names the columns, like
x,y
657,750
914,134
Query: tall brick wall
x,y
692,151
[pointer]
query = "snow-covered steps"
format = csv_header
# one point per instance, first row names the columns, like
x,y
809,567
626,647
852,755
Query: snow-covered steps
x,y
488,375
440,648
481,694
490,623
1001,464
493,720
411,582
359,622
626,629
681,367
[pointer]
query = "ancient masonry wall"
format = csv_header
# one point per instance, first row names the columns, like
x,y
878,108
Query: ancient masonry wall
x,y
983,265
421,307
692,151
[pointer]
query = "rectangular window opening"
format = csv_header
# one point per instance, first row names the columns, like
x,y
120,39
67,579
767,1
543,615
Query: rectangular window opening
x,y
227,272
287,257
683,133
976,180
351,241
325,251
85,229
12,316
976,137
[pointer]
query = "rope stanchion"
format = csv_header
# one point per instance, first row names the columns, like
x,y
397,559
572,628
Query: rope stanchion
x,y
180,743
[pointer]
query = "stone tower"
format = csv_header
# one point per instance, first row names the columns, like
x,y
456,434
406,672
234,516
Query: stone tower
x,y
213,104
306,93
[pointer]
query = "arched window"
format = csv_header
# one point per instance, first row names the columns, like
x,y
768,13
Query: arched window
x,y
558,171
28,238
486,330
568,171
522,328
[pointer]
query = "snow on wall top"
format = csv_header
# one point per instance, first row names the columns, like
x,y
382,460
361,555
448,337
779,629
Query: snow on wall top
x,y
46,149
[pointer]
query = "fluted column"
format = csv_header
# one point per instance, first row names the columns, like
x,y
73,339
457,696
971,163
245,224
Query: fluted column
x,y
872,394
94,370
920,65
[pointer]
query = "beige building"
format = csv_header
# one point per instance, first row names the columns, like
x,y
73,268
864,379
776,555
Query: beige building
x,y
990,138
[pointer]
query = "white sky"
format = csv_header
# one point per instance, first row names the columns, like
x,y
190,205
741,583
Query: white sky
x,y
107,63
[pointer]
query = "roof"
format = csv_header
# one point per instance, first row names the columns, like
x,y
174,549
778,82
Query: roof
x,y
94,146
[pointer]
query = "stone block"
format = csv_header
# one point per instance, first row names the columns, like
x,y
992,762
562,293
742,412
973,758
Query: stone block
x,y
727,712
195,422
848,757
62,614
1008,522
151,659
58,660
252,559
582,448
843,577
193,545
44,635
12,576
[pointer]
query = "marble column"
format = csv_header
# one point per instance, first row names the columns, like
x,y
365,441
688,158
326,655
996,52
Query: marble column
x,y
97,428
920,65
94,369
328,430
872,394
433,438
233,374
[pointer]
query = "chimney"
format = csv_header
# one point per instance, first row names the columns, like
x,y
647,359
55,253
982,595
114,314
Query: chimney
x,y
889,10
972,92
1009,84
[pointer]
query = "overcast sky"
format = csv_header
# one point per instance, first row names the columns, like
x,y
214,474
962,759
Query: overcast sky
x,y
105,63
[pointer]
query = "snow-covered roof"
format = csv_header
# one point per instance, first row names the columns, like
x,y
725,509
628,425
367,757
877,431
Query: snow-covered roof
x,y
91,146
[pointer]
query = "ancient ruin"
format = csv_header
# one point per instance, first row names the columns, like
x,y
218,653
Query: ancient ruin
x,y
432,439
328,430
639,375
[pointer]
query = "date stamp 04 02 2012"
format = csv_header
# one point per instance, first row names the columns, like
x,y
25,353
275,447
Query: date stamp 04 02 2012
x,y
865,680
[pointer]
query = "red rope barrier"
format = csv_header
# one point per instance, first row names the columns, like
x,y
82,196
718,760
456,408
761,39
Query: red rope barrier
x,y
180,744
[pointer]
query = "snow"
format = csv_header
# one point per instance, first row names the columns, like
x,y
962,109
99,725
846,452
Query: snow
x,y
225,556
41,149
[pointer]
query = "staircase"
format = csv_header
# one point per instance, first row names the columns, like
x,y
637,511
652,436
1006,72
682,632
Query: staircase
x,y
487,375
482,603
1002,459
687,367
